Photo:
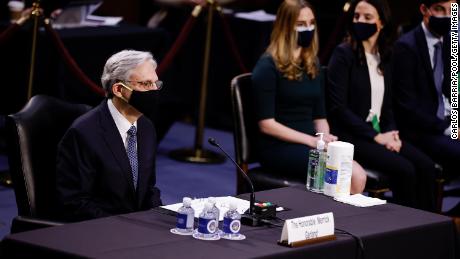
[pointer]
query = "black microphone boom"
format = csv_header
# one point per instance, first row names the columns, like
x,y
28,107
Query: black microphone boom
x,y
251,218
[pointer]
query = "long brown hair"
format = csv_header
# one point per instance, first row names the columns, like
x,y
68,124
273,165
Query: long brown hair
x,y
284,40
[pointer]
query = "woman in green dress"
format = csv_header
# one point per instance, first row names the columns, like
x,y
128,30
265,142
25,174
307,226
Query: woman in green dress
x,y
288,92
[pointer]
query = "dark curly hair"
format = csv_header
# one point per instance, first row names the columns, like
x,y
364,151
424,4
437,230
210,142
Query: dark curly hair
x,y
429,3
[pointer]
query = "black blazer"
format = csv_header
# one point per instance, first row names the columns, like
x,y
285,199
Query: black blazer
x,y
349,96
415,94
93,172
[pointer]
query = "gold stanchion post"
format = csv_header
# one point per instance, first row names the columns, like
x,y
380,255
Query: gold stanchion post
x,y
5,176
36,13
198,154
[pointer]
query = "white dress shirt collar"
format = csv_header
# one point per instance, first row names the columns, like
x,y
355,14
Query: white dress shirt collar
x,y
431,40
121,122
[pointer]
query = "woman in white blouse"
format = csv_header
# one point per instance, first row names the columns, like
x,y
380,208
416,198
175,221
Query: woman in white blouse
x,y
360,110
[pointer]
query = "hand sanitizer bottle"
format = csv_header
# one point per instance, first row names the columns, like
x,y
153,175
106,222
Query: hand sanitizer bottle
x,y
316,166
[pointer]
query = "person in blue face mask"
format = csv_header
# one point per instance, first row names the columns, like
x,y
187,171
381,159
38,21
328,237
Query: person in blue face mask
x,y
360,109
288,93
421,85
106,159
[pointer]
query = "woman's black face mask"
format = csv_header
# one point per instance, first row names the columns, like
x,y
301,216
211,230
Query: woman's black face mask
x,y
364,31
305,36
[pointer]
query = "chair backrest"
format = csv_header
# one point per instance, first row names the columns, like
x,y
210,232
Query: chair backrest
x,y
33,135
244,121
245,126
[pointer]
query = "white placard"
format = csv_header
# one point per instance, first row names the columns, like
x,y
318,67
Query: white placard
x,y
310,227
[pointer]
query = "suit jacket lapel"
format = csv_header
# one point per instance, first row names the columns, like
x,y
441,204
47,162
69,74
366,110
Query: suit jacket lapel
x,y
144,150
447,66
425,55
115,143
364,84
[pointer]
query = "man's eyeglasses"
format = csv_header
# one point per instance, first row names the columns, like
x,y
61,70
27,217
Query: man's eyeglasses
x,y
149,84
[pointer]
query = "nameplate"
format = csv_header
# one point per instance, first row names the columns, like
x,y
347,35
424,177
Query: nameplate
x,y
311,228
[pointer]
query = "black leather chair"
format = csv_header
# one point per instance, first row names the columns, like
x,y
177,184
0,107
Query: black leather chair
x,y
32,138
245,130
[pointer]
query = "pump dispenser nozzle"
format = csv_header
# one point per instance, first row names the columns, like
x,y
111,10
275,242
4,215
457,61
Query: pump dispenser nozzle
x,y
320,144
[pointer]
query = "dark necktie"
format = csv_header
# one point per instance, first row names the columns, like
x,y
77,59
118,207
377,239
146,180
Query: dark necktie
x,y
132,153
438,69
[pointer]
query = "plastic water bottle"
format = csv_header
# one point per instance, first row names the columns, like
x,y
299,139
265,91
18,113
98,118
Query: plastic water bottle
x,y
207,224
216,210
232,224
185,218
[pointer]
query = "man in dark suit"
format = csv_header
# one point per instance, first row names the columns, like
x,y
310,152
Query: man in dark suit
x,y
421,85
106,160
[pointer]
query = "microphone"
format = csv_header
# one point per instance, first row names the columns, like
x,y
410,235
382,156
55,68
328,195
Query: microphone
x,y
250,217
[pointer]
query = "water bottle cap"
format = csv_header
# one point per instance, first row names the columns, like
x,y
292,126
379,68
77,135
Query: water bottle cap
x,y
207,206
232,206
320,144
212,200
186,201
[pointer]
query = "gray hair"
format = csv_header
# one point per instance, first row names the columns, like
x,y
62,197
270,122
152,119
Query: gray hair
x,y
119,66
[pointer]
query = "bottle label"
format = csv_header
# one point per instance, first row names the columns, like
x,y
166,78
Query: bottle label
x,y
344,179
207,226
313,157
330,176
231,226
181,221
190,221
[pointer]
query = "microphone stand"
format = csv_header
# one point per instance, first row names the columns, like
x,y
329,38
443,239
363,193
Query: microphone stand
x,y
249,217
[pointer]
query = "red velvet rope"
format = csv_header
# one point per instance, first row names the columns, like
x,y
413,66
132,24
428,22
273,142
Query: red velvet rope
x,y
166,62
70,62
6,34
232,43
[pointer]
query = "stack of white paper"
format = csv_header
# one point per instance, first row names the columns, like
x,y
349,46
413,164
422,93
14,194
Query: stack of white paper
x,y
360,200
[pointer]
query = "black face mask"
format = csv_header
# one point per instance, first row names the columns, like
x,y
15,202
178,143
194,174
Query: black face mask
x,y
364,31
305,37
145,102
439,25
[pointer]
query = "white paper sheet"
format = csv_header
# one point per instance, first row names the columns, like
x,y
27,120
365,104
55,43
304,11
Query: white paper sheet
x,y
260,16
360,200
103,20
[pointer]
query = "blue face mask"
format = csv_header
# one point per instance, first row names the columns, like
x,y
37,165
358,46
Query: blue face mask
x,y
439,25
305,35
364,31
